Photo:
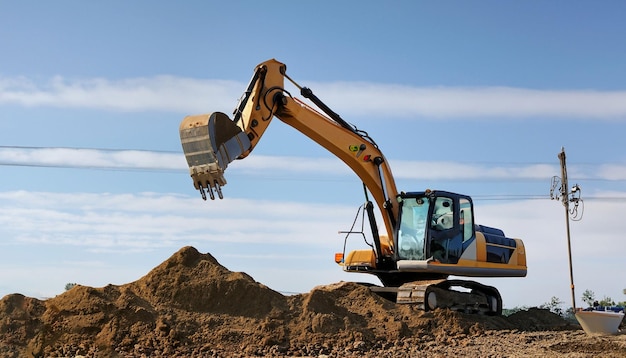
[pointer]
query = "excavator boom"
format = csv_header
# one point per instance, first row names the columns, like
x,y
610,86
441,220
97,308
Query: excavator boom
x,y
212,141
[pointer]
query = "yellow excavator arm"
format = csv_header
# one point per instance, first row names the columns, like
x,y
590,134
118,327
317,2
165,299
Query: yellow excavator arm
x,y
211,141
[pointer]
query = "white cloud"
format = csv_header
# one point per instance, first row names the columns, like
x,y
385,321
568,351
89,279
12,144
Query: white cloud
x,y
90,158
264,237
169,93
611,171
161,93
461,170
284,165
145,221
367,99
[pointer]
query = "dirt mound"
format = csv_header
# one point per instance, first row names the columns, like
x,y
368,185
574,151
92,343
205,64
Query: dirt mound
x,y
190,305
196,282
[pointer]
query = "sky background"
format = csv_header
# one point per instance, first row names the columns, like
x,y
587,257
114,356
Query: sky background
x,y
472,97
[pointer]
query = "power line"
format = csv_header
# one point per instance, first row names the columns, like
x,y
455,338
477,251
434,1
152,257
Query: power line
x,y
89,167
124,168
96,149
509,197
181,153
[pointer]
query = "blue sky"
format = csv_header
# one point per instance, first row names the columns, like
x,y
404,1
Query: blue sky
x,y
472,97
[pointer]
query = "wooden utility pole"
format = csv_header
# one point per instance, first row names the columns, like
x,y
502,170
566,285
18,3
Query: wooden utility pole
x,y
565,198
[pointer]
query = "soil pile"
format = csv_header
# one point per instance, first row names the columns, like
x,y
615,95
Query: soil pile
x,y
191,306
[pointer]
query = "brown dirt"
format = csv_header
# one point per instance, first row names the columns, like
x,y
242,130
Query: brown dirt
x,y
191,306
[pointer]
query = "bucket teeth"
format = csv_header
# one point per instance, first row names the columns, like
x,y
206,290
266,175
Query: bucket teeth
x,y
210,142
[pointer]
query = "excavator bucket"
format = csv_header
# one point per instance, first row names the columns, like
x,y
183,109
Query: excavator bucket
x,y
210,142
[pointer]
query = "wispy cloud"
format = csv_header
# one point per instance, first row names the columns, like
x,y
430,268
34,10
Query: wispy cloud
x,y
471,171
146,221
169,93
161,93
367,99
263,165
90,158
234,230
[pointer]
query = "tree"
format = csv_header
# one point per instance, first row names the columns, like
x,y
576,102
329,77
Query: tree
x,y
69,286
554,306
509,311
607,301
589,297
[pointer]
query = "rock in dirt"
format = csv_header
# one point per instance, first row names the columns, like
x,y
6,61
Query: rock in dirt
x,y
190,305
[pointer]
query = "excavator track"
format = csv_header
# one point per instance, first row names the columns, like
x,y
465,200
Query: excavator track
x,y
475,298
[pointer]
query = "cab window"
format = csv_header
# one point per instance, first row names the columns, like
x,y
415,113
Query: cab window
x,y
465,218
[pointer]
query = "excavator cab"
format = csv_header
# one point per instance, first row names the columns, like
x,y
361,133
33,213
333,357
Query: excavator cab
x,y
434,225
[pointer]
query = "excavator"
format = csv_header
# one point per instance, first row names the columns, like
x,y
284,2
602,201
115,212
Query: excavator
x,y
428,235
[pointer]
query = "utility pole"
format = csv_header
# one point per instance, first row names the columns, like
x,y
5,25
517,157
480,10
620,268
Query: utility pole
x,y
566,196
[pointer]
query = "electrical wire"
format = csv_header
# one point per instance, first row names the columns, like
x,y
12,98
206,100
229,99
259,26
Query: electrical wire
x,y
122,168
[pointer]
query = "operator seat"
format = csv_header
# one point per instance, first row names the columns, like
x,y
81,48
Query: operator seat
x,y
443,216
